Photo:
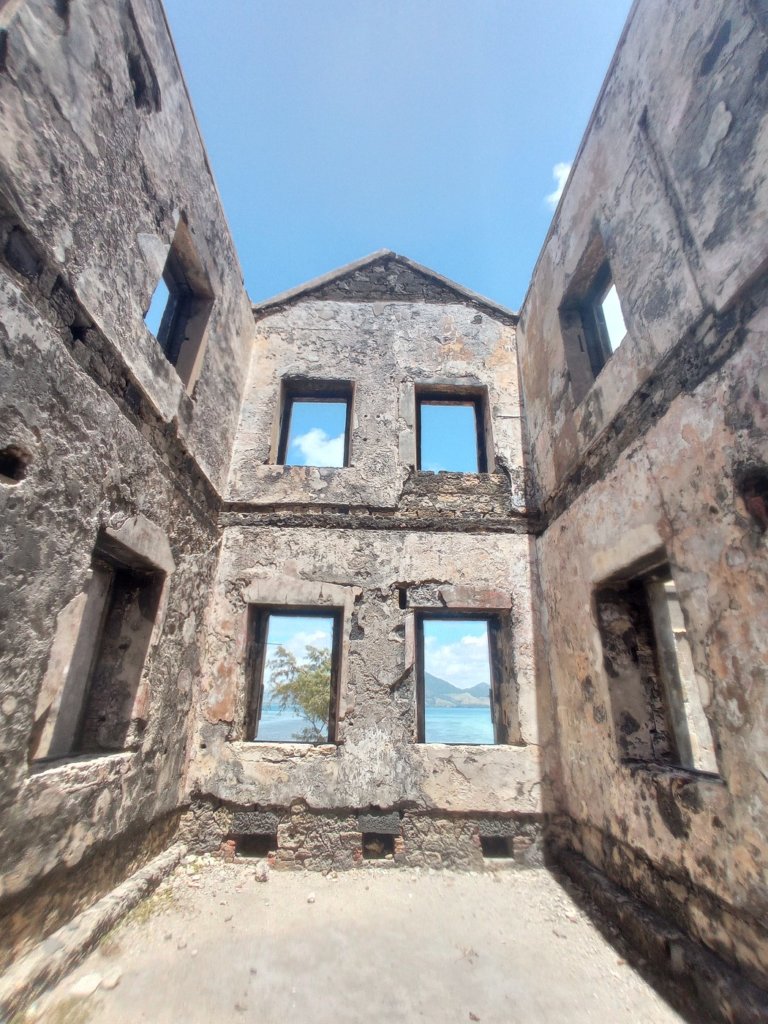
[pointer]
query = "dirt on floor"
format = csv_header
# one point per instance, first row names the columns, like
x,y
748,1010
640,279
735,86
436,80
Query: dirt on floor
x,y
380,944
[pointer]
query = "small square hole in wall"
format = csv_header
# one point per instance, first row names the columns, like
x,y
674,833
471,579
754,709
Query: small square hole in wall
x,y
254,845
378,846
496,847
449,433
13,465
315,425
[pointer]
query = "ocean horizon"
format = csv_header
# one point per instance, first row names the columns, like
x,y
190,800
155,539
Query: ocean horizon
x,y
442,725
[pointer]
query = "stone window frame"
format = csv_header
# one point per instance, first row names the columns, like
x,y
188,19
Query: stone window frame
x,y
136,546
256,662
585,337
291,595
183,333
452,393
465,602
310,389
680,731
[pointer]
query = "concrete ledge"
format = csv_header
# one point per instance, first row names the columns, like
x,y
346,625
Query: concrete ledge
x,y
63,950
697,974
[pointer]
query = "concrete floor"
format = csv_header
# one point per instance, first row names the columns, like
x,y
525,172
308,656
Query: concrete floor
x,y
375,945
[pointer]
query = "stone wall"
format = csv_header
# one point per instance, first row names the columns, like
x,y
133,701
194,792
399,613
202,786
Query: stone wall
x,y
381,540
650,457
110,442
298,838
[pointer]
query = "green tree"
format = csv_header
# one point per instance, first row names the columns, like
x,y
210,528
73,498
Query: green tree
x,y
305,688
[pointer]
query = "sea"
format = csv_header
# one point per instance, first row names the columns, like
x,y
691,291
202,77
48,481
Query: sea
x,y
441,725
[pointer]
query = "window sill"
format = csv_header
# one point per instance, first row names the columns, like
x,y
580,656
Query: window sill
x,y
79,765
675,773
431,473
284,746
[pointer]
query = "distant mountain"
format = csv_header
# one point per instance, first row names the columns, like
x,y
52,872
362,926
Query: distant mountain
x,y
439,693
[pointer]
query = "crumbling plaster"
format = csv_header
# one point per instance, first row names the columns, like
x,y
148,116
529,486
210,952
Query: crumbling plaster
x,y
385,349
92,189
640,181
377,762
650,459
99,184
583,483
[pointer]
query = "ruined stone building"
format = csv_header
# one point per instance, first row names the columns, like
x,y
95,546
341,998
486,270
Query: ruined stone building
x,y
613,538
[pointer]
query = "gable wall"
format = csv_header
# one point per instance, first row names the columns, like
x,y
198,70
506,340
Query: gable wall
x,y
367,530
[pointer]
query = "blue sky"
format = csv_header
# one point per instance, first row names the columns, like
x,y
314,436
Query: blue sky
x,y
457,650
316,434
431,127
448,438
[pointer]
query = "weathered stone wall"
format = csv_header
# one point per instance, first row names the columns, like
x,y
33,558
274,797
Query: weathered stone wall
x,y
91,188
358,536
384,348
324,841
651,455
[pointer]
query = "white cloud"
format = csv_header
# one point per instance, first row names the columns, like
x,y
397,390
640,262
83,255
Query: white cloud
x,y
560,173
318,449
463,663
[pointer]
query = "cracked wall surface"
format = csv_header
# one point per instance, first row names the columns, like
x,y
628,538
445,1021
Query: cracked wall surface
x,y
101,167
296,535
91,192
671,177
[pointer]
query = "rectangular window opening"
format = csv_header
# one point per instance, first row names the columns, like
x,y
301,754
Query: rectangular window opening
x,y
591,318
254,845
657,707
449,433
180,306
293,665
457,692
497,847
88,701
315,425
378,846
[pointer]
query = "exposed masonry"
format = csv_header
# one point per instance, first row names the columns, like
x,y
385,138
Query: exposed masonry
x,y
117,457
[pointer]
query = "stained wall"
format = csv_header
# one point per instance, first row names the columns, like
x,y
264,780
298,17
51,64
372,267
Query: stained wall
x,y
357,537
650,456
92,189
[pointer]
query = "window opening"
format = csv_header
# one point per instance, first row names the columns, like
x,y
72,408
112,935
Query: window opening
x,y
591,318
315,424
455,687
657,706
317,433
158,304
88,706
169,309
144,85
378,846
449,434
295,658
180,306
